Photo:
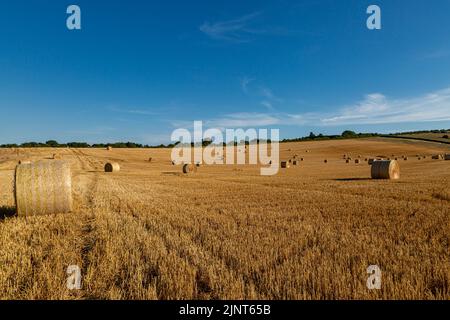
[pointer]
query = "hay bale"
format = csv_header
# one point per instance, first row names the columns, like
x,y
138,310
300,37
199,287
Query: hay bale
x,y
112,167
347,161
43,187
109,148
56,156
294,162
405,158
24,161
301,159
357,161
188,168
385,169
447,157
370,161
285,164
437,157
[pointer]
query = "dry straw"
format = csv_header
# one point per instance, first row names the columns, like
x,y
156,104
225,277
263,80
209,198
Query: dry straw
x,y
385,169
112,167
43,187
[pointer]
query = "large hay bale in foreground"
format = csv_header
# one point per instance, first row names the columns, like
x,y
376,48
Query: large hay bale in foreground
x,y
385,169
112,167
43,187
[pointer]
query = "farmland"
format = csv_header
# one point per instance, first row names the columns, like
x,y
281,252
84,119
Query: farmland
x,y
226,232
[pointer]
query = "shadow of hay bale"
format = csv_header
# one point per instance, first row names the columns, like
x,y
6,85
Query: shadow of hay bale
x,y
7,212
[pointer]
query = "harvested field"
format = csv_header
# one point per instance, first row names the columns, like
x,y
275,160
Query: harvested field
x,y
226,232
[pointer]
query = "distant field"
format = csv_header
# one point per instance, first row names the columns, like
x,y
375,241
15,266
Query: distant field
x,y
225,232
428,136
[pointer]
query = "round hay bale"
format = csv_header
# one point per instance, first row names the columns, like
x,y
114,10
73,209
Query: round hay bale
x,y
188,168
284,164
43,187
112,167
56,156
357,161
385,169
109,148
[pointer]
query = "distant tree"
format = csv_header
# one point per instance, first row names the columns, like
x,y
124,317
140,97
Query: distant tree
x,y
52,143
312,135
348,133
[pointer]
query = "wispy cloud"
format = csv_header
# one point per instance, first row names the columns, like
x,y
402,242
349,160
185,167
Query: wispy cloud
x,y
245,81
374,109
379,109
142,112
437,54
242,29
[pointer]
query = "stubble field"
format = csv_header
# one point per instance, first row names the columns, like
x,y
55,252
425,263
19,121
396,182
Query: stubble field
x,y
226,232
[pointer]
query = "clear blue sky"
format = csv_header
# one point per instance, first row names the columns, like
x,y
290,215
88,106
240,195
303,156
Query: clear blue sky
x,y
139,69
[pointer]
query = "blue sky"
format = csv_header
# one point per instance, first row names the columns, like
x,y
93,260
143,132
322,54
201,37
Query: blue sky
x,y
140,69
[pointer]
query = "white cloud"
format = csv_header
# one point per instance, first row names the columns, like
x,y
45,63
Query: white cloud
x,y
378,109
232,30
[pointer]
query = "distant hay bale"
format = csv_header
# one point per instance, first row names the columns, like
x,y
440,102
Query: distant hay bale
x,y
294,162
43,187
385,169
112,167
447,157
24,161
302,159
188,168
405,158
437,157
370,161
284,164
56,156
290,160
347,161
109,148
419,158
357,161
